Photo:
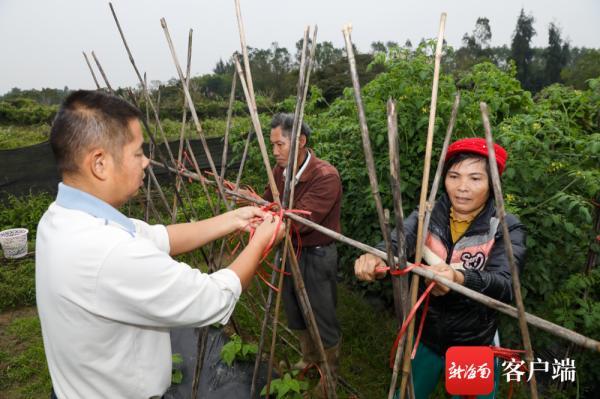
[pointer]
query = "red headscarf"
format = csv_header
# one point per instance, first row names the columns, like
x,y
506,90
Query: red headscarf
x,y
478,145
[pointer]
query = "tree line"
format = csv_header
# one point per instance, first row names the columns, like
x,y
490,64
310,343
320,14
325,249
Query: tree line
x,y
275,71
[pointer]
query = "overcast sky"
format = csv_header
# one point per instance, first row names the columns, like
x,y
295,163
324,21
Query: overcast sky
x,y
41,40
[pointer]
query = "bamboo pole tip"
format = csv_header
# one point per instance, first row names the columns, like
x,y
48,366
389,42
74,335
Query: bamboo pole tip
x,y
347,29
163,23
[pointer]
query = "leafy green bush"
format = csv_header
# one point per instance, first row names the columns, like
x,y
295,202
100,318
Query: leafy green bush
x,y
287,387
25,211
551,181
24,111
236,349
17,284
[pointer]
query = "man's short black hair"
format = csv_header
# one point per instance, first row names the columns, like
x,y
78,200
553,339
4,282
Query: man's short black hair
x,y
87,119
286,122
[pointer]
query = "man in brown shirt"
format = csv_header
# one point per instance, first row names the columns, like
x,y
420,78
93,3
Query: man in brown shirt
x,y
318,189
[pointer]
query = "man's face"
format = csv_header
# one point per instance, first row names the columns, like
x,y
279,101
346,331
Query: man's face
x,y
281,146
128,174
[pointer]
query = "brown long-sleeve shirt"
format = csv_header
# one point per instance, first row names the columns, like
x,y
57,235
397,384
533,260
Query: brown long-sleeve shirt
x,y
319,191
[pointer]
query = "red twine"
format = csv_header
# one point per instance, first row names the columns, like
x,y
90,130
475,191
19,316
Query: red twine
x,y
412,313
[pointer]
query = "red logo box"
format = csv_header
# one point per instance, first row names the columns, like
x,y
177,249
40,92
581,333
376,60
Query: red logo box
x,y
469,370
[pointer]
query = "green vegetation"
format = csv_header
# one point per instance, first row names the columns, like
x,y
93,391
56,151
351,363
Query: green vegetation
x,y
544,108
287,387
14,136
236,349
23,369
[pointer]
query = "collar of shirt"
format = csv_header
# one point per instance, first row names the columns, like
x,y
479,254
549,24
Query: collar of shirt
x,y
72,198
302,168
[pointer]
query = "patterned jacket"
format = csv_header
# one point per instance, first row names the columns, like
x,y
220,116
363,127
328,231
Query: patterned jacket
x,y
480,255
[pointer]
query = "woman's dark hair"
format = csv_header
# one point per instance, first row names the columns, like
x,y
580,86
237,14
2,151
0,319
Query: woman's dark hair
x,y
463,156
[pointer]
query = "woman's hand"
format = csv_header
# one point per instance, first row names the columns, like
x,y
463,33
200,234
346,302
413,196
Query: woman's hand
x,y
365,267
447,272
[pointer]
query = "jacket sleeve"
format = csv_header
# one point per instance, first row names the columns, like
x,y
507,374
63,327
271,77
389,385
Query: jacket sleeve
x,y
410,233
495,280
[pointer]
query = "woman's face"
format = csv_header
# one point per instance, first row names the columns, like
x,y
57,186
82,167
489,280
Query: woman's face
x,y
467,185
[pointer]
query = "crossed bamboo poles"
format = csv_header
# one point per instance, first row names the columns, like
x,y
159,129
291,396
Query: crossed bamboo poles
x,y
518,313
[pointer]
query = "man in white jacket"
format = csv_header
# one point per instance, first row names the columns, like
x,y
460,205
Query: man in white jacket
x,y
107,287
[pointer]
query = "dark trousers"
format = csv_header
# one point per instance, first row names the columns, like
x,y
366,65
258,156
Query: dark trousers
x,y
318,266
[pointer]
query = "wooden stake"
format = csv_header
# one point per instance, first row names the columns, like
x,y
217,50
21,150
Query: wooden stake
x,y
87,61
536,321
400,283
288,192
193,112
371,164
298,283
514,271
183,123
110,89
154,111
424,184
440,165
251,100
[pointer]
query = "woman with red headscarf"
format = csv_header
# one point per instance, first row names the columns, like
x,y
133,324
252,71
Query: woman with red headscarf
x,y
463,244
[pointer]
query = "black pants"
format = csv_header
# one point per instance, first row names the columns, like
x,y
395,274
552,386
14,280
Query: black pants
x,y
318,266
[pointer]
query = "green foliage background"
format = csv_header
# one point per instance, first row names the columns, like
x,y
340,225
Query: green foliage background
x,y
551,181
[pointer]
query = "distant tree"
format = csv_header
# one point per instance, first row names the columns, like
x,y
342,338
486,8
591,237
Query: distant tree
x,y
520,49
556,55
378,47
584,66
481,36
476,46
327,54
224,68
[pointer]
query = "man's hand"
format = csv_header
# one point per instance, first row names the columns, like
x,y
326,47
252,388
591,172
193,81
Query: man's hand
x,y
267,228
365,267
448,272
248,217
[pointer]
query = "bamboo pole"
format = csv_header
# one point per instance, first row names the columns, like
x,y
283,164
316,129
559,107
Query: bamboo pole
x,y
400,283
430,205
154,111
303,80
514,271
237,185
179,181
252,101
110,89
87,61
424,185
552,328
440,165
151,176
228,125
295,269
226,143
150,156
193,112
400,306
370,162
